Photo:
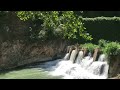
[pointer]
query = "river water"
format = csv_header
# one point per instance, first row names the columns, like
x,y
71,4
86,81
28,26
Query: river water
x,y
83,68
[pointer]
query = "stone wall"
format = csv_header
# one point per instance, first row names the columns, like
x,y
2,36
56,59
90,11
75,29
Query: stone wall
x,y
114,66
17,53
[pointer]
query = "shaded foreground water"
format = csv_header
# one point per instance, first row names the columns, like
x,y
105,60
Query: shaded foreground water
x,y
83,68
29,72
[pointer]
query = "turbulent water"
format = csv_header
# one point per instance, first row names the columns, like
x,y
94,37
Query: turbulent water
x,y
72,66
83,68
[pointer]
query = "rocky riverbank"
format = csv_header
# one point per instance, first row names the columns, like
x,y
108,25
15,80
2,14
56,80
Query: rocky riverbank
x,y
17,53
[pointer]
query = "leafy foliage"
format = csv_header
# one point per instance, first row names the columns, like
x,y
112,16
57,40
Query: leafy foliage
x,y
102,19
65,24
112,48
102,42
90,46
107,47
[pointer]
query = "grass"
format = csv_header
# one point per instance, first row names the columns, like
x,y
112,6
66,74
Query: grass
x,y
29,73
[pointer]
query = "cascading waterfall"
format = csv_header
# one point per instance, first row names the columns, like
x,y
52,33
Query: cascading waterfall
x,y
102,57
66,56
81,67
73,55
79,57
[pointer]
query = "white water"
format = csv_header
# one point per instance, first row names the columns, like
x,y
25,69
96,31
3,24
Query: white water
x,y
79,57
73,55
102,57
67,56
83,68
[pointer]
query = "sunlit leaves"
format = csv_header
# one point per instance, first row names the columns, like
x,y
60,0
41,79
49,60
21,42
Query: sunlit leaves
x,y
71,23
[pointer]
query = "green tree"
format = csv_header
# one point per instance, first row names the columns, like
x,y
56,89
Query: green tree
x,y
65,24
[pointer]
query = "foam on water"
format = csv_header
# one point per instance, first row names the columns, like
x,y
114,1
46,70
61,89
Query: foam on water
x,y
83,68
75,71
79,57
67,56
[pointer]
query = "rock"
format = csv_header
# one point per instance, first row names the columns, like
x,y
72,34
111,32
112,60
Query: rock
x,y
114,66
96,51
85,51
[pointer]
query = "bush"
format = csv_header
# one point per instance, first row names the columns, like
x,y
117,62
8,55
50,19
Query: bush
x,y
90,46
107,47
112,48
102,42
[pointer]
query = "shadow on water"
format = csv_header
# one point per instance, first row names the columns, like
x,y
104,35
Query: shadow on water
x,y
27,66
3,72
40,66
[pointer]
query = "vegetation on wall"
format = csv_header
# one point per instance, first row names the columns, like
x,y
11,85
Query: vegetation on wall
x,y
90,46
102,18
92,14
112,48
69,25
102,27
107,47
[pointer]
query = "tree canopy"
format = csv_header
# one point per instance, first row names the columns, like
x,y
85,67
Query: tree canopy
x,y
64,24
